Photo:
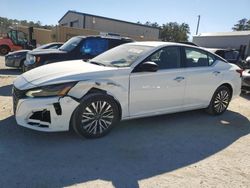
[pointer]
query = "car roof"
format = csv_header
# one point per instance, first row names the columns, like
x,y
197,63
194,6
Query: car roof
x,y
220,49
106,37
161,43
55,43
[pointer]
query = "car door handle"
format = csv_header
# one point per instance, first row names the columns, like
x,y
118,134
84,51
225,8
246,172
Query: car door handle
x,y
179,78
216,73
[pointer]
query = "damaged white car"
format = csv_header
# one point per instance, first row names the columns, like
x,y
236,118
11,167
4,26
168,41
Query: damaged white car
x,y
130,81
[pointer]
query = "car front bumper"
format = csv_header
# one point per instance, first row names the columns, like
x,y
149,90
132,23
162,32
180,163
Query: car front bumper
x,y
11,62
50,114
28,66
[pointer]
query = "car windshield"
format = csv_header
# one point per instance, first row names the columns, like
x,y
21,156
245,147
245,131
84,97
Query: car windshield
x,y
121,56
45,46
70,44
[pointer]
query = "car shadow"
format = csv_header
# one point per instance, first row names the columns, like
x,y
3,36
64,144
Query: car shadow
x,y
10,72
133,151
6,90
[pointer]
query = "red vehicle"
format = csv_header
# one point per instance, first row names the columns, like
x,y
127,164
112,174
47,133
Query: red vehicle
x,y
15,40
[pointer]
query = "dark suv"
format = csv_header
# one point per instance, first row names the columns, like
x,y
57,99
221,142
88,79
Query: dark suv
x,y
80,47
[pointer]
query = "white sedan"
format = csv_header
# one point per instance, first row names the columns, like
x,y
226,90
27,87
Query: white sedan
x,y
130,81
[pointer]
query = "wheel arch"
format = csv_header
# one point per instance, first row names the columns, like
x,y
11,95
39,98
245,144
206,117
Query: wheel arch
x,y
229,86
94,90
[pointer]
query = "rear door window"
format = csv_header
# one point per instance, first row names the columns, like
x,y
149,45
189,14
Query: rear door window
x,y
197,58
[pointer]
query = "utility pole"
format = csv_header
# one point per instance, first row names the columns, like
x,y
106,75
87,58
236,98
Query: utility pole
x,y
198,24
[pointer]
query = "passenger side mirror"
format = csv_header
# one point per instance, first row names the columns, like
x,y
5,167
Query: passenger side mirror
x,y
148,66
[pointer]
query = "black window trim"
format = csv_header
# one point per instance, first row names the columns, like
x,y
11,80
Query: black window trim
x,y
145,60
202,51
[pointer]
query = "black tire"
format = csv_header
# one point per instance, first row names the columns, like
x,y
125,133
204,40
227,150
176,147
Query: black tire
x,y
220,101
95,116
4,50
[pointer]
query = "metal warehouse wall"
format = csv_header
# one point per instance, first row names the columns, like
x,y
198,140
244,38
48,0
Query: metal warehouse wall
x,y
113,26
62,34
223,41
72,17
101,24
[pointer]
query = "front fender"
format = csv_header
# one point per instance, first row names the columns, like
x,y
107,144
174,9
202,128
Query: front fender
x,y
118,90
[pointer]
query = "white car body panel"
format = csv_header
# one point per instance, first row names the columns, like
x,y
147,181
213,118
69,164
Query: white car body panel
x,y
160,89
201,82
139,94
56,73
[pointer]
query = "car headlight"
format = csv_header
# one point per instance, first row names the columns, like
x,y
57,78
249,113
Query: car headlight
x,y
30,59
51,90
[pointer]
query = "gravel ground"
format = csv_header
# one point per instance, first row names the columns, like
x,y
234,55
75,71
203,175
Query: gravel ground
x,y
190,149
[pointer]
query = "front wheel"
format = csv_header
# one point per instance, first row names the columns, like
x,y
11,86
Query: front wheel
x,y
95,116
220,101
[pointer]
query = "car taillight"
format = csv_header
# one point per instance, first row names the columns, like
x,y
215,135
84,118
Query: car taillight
x,y
240,71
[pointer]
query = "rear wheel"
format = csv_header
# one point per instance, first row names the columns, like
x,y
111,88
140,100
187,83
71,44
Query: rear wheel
x,y
220,101
4,50
95,116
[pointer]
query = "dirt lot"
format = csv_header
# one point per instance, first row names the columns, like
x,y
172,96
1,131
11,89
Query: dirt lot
x,y
190,149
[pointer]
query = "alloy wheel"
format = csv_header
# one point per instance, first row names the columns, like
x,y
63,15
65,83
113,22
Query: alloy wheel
x,y
97,117
221,101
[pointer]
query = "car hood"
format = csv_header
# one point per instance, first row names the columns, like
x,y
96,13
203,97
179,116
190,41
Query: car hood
x,y
46,51
18,52
62,72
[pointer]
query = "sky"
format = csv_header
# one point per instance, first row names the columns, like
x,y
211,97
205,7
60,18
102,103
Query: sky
x,y
216,15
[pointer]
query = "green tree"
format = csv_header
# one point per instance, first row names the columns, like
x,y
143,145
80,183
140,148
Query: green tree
x,y
174,32
242,25
154,24
6,23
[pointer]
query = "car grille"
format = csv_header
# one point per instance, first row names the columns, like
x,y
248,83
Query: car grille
x,y
17,94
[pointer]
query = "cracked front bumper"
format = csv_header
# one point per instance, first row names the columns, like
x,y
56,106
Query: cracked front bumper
x,y
50,114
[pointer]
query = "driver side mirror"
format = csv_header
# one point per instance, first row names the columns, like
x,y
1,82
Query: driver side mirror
x,y
148,66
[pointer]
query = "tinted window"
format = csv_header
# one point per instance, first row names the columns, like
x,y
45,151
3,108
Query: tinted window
x,y
54,47
231,55
49,46
167,58
114,42
94,46
196,58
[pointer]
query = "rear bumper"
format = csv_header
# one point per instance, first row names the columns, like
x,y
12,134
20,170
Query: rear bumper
x,y
245,88
246,83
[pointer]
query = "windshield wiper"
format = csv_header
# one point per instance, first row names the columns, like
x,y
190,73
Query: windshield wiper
x,y
97,63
